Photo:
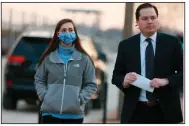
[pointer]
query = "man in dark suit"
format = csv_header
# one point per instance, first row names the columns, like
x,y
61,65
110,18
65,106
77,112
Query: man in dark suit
x,y
158,57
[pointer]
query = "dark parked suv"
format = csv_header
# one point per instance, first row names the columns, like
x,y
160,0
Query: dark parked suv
x,y
22,61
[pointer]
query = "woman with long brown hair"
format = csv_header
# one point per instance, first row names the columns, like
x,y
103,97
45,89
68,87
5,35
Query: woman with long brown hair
x,y
65,78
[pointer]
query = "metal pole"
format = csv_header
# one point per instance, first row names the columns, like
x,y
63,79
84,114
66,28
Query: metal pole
x,y
34,19
44,21
40,113
127,32
10,29
23,21
105,103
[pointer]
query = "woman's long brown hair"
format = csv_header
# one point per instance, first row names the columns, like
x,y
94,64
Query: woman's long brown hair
x,y
55,41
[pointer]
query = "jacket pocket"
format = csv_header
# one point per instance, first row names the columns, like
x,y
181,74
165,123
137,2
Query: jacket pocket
x,y
53,98
71,102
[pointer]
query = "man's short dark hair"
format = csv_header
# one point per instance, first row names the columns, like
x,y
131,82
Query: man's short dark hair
x,y
142,6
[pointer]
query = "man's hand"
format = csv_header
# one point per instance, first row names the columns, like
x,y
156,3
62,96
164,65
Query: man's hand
x,y
129,78
157,83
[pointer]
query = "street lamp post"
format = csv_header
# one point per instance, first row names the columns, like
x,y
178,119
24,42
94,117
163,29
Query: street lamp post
x,y
127,32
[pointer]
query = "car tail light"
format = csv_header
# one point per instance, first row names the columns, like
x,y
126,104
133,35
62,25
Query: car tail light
x,y
16,59
9,83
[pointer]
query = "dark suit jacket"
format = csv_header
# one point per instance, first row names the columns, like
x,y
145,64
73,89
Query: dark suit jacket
x,y
168,59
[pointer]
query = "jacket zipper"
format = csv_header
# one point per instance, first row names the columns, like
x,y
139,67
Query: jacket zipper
x,y
64,82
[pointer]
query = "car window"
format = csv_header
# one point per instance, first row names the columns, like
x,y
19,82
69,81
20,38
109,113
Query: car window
x,y
31,48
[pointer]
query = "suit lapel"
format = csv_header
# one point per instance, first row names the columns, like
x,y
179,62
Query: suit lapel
x,y
158,49
158,52
137,54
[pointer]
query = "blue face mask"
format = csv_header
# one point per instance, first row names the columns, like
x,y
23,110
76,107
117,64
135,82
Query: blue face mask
x,y
67,37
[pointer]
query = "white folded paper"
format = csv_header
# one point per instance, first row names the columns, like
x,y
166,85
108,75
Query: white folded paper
x,y
143,83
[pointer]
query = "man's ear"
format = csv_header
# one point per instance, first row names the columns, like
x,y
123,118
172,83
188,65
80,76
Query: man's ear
x,y
137,25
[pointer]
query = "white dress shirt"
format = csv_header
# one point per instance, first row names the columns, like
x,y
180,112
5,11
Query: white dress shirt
x,y
143,45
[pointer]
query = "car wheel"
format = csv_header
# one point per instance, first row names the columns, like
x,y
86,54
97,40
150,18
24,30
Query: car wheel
x,y
31,102
9,102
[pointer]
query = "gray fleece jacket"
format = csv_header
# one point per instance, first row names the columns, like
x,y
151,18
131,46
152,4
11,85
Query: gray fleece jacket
x,y
65,88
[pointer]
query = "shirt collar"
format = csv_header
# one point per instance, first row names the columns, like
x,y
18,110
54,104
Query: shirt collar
x,y
153,37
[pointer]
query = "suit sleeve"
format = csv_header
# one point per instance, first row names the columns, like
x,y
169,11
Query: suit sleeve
x,y
119,71
176,80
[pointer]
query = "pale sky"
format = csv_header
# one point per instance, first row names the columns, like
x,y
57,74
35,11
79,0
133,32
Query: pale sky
x,y
112,16
112,13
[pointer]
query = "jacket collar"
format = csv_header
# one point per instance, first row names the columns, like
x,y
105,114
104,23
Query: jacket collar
x,y
54,56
